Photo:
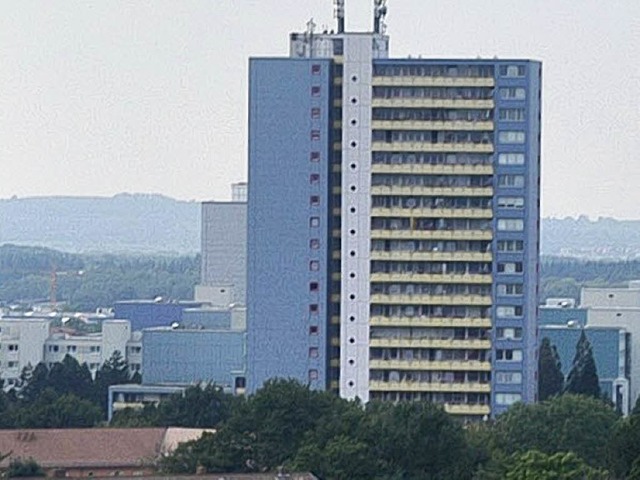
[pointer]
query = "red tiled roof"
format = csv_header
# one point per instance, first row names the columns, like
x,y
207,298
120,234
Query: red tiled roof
x,y
84,447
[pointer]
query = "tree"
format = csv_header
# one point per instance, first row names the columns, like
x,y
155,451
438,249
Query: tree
x,y
56,411
550,377
114,371
535,465
567,423
24,468
583,377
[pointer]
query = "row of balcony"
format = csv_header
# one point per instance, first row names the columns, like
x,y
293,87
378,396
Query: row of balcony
x,y
416,102
420,81
426,191
401,255
428,169
468,344
470,278
423,321
426,234
439,365
425,299
405,386
431,147
432,212
457,125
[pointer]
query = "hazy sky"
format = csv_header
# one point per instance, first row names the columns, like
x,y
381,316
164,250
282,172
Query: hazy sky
x,y
106,96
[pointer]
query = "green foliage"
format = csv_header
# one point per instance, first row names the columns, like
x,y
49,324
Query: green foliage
x,y
568,423
624,446
535,465
24,468
25,273
550,377
583,377
205,407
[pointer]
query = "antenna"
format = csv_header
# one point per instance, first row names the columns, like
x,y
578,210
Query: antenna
x,y
338,13
379,12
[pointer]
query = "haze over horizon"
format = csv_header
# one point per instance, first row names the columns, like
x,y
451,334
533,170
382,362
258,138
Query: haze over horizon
x,y
98,98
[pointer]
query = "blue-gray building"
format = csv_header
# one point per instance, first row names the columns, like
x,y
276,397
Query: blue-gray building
x,y
152,313
610,346
393,220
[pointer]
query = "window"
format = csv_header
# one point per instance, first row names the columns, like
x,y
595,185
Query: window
x,y
94,349
71,348
511,202
510,267
13,347
313,330
314,157
510,289
511,181
314,200
512,114
512,137
313,352
314,265
509,355
316,69
508,311
12,364
509,333
313,308
94,366
315,113
507,398
510,225
135,349
315,91
313,375
509,378
510,245
315,135
513,70
53,348
513,93
314,244
511,159
314,222
314,287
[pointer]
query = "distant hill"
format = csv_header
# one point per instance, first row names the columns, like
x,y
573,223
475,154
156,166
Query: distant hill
x,y
124,223
137,223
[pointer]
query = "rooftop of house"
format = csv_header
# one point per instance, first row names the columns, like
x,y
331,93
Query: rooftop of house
x,y
93,447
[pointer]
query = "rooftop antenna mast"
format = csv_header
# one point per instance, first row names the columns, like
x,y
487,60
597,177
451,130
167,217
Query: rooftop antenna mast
x,y
379,12
338,13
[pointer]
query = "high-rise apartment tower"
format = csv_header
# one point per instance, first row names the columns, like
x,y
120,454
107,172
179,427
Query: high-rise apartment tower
x,y
393,222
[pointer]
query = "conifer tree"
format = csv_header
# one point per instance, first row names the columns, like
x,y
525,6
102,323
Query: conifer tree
x,y
583,377
550,377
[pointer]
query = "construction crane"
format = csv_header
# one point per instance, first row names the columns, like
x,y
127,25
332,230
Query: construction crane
x,y
53,283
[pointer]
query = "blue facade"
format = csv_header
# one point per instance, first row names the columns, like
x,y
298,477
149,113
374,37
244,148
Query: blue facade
x,y
609,351
206,318
562,317
517,116
147,313
189,356
289,146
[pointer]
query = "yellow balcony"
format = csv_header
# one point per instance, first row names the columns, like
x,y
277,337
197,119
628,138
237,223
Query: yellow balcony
x,y
480,300
336,190
469,344
432,212
337,124
461,409
471,322
334,385
405,386
335,362
336,168
430,103
432,125
335,341
335,255
475,278
432,234
427,169
337,80
335,298
335,320
419,81
337,146
336,276
431,147
432,191
444,366
432,256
